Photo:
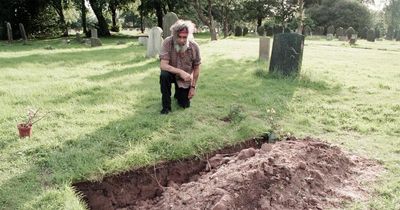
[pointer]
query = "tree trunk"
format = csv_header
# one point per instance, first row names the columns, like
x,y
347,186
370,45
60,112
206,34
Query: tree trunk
x,y
259,21
208,21
103,26
113,9
83,14
301,15
141,21
159,14
63,24
57,5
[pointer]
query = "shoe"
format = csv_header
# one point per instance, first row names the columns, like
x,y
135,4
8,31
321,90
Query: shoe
x,y
165,111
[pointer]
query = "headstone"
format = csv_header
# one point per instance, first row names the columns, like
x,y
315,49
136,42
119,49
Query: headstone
x,y
265,46
154,42
353,39
307,31
329,34
94,33
329,37
9,32
143,40
390,33
339,32
78,38
330,30
371,35
23,34
168,20
349,32
94,39
245,31
343,38
364,32
287,53
238,31
95,42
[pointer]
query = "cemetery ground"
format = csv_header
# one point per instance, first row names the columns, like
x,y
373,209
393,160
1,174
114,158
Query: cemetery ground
x,y
104,108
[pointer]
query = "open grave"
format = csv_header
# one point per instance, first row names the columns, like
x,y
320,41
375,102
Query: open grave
x,y
290,174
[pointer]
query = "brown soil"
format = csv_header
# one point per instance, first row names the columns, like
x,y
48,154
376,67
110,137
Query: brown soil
x,y
293,174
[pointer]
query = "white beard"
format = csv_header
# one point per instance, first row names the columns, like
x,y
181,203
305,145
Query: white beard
x,y
181,49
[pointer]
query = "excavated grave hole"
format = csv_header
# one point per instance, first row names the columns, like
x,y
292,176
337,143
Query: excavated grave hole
x,y
291,174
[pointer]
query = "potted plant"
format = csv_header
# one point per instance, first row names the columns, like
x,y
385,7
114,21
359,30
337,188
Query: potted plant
x,y
25,128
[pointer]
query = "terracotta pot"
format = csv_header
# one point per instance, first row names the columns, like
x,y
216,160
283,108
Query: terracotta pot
x,y
24,130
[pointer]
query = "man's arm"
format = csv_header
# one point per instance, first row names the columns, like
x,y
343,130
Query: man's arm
x,y
164,65
196,73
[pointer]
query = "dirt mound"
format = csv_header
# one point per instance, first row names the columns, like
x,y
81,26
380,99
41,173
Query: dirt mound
x,y
291,174
304,174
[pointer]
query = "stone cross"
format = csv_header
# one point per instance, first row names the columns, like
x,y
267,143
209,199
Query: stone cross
x,y
23,34
265,46
168,20
9,32
154,42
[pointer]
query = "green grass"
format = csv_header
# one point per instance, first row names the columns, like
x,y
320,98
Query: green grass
x,y
104,111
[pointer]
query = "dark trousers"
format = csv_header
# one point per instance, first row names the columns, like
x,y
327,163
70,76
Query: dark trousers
x,y
181,94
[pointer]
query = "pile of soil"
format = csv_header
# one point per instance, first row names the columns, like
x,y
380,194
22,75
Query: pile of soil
x,y
305,174
291,174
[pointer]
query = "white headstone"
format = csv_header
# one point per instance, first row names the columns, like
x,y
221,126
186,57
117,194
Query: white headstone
x,y
154,42
265,48
329,37
23,34
143,40
168,20
9,32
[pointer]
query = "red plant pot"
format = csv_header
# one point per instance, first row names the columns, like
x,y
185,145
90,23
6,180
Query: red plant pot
x,y
24,130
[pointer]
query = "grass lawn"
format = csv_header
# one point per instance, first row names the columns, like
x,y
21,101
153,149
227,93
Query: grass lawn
x,y
104,108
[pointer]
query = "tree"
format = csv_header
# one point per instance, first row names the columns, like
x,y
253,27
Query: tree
x,y
59,5
98,6
286,11
203,10
341,13
259,9
392,13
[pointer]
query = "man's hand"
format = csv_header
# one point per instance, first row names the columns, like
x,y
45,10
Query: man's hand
x,y
185,76
192,92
